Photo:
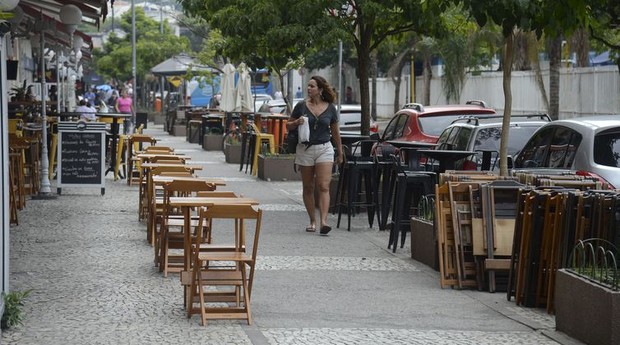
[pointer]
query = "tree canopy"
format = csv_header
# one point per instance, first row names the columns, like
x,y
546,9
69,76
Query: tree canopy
x,y
152,47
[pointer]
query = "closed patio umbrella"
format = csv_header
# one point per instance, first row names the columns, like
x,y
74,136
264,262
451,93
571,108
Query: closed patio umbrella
x,y
244,100
227,102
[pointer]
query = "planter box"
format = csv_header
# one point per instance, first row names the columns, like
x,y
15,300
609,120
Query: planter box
x,y
585,310
193,133
212,142
158,118
232,154
277,168
424,243
179,130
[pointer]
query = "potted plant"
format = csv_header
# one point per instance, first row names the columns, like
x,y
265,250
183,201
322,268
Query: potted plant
x,y
277,167
212,140
13,303
424,235
587,294
232,147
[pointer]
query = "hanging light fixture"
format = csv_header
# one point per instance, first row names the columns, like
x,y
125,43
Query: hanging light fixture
x,y
18,15
8,5
71,16
78,41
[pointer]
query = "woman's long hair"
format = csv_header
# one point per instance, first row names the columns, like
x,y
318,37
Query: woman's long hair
x,y
327,92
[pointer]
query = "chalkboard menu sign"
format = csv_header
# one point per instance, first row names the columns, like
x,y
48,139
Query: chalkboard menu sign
x,y
81,155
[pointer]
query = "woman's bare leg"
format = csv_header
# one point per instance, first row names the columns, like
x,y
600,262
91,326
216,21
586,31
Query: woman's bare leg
x,y
323,178
307,180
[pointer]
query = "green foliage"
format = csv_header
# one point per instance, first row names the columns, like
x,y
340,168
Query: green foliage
x,y
152,47
13,303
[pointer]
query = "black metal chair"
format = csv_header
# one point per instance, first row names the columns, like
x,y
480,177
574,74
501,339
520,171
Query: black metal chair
x,y
357,171
408,187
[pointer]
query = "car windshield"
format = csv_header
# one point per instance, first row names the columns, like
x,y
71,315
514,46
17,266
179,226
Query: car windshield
x,y
488,139
607,149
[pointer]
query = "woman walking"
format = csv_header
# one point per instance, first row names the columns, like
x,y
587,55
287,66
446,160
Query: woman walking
x,y
316,157
124,104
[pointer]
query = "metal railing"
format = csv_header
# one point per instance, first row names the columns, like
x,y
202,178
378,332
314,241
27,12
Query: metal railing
x,y
595,259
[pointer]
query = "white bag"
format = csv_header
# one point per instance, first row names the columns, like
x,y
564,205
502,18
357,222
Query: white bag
x,y
304,131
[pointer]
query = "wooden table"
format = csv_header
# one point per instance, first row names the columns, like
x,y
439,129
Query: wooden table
x,y
187,203
446,158
145,191
415,144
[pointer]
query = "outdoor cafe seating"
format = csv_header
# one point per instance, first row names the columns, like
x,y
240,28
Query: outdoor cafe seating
x,y
231,265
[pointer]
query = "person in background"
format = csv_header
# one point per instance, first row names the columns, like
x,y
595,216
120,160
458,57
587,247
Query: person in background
x,y
86,113
53,93
348,95
124,104
113,98
214,103
299,94
100,105
90,95
316,157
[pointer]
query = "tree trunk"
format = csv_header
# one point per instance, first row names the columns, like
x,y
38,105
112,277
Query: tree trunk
x,y
362,70
395,72
428,76
503,147
522,58
581,45
555,55
397,80
373,104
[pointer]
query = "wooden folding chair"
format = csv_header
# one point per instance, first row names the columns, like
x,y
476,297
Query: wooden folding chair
x,y
169,239
134,143
206,274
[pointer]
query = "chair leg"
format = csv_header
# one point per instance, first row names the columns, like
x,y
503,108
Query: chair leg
x,y
246,297
201,294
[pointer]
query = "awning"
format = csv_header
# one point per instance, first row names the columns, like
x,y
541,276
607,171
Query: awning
x,y
178,65
37,12
94,12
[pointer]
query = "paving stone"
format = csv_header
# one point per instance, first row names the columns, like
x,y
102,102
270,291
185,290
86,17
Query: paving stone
x,y
86,259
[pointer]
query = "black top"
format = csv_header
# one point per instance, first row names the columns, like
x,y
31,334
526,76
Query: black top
x,y
320,131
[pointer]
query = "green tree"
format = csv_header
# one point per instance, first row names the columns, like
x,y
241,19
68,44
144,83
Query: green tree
x,y
369,23
264,33
606,29
279,32
114,59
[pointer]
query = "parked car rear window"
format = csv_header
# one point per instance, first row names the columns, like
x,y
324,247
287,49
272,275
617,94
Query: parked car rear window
x,y
434,125
553,147
607,149
488,139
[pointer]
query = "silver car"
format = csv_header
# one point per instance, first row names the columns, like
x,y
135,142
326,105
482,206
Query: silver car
x,y
483,133
590,145
351,120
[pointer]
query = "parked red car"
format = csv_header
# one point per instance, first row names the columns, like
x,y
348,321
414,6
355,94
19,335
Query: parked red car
x,y
415,122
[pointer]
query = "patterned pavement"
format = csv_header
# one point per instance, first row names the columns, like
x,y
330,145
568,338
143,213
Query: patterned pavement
x,y
90,269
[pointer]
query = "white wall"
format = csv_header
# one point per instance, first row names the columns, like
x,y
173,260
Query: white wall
x,y
583,91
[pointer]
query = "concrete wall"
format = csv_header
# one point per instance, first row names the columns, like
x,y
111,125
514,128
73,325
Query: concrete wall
x,y
583,91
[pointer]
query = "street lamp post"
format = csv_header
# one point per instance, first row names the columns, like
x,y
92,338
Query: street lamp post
x,y
45,189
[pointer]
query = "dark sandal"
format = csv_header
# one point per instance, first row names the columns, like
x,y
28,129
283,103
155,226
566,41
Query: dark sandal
x,y
325,229
310,229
